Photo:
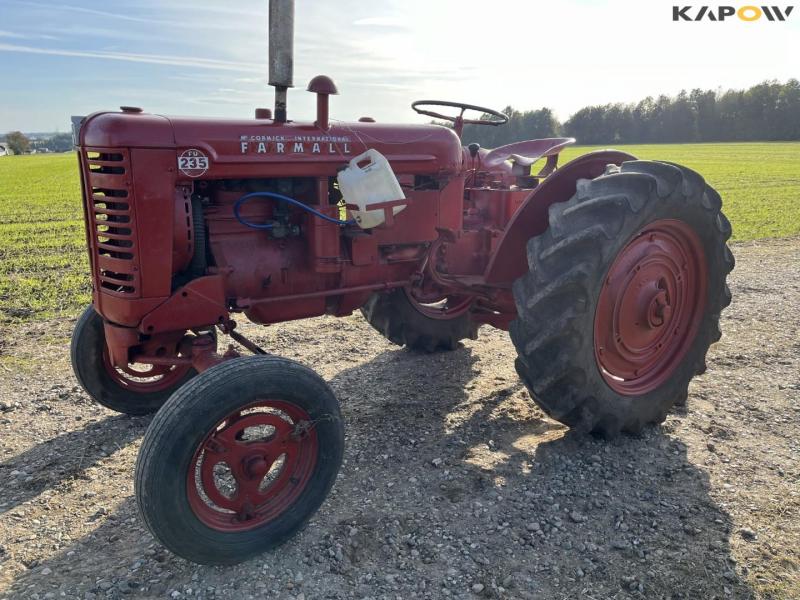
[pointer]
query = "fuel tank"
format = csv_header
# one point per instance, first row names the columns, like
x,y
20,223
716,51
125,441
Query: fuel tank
x,y
220,148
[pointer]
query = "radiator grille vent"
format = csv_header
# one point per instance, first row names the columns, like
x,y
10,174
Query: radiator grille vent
x,y
111,221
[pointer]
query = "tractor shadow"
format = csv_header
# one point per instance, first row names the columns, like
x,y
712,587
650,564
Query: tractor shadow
x,y
64,459
539,511
90,564
452,479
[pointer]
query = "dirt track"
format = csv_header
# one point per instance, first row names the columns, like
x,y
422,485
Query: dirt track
x,y
454,484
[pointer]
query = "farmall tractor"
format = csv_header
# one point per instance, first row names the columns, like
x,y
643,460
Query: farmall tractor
x,y
608,272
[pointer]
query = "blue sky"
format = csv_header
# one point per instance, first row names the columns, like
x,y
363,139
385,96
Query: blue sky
x,y
209,58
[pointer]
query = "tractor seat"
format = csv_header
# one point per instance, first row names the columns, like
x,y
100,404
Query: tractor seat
x,y
525,161
523,154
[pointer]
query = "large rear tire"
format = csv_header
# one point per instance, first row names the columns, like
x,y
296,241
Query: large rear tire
x,y
623,297
136,390
423,328
239,459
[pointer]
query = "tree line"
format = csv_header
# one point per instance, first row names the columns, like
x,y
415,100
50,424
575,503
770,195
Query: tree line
x,y
765,112
19,143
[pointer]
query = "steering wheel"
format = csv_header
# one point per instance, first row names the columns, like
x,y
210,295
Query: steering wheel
x,y
499,119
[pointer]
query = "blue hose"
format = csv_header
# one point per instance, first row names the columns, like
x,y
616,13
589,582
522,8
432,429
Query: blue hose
x,y
273,196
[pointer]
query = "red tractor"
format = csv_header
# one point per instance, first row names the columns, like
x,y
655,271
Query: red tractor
x,y
608,272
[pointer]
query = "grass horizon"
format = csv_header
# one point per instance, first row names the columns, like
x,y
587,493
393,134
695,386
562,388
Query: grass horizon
x,y
43,258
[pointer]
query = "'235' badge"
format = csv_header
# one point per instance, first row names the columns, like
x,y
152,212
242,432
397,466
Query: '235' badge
x,y
193,163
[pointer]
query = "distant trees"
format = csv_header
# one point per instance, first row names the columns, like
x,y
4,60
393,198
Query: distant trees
x,y
767,111
17,142
60,142
521,126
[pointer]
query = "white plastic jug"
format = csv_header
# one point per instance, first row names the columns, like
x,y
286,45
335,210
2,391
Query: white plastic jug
x,y
371,184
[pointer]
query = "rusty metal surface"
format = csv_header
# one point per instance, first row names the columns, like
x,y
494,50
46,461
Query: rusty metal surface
x,y
281,43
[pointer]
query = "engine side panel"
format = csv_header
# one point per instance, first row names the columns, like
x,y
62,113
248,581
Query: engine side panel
x,y
155,198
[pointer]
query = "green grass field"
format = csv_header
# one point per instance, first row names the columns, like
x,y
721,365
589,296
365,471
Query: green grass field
x,y
43,263
43,260
759,183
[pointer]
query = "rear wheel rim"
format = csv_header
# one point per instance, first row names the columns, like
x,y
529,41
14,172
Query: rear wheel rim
x,y
252,466
442,308
650,307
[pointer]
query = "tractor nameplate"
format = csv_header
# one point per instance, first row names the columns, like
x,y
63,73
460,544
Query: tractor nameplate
x,y
295,144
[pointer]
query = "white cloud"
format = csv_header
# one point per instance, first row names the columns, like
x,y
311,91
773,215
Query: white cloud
x,y
26,36
156,59
188,18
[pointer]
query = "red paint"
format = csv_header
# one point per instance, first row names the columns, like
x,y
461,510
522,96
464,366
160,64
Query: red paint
x,y
323,87
265,452
650,307
461,235
510,261
198,303
145,377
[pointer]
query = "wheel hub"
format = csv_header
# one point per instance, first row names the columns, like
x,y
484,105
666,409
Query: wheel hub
x,y
650,307
252,466
256,466
658,310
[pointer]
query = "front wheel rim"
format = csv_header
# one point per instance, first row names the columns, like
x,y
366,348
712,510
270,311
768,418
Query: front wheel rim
x,y
650,307
252,466
144,378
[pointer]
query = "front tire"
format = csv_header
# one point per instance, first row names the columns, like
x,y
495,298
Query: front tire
x,y
136,390
239,459
623,297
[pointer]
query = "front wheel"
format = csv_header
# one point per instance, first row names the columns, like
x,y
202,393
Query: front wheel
x,y
239,459
623,297
136,389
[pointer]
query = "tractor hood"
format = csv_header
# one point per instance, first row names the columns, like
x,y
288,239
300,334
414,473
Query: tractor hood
x,y
262,146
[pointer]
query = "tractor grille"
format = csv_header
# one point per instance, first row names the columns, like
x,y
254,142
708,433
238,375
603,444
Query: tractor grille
x,y
111,221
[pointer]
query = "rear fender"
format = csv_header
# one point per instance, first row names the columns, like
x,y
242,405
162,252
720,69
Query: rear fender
x,y
509,262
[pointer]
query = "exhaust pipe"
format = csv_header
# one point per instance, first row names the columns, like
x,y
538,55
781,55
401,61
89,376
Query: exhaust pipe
x,y
281,52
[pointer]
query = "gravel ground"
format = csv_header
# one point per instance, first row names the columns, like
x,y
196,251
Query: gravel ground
x,y
454,484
